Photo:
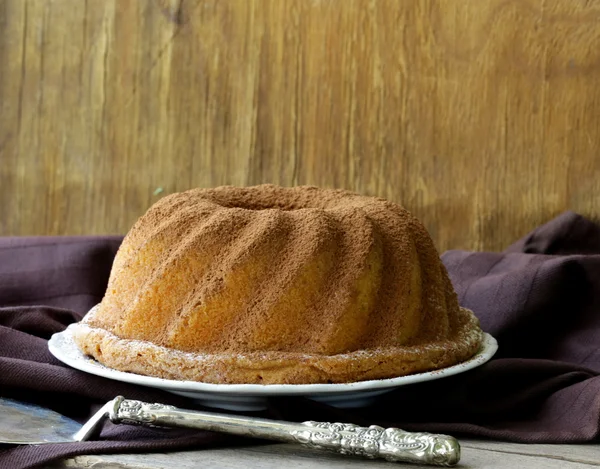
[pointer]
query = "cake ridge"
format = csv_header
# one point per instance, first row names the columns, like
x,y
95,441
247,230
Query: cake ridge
x,y
243,246
154,274
289,272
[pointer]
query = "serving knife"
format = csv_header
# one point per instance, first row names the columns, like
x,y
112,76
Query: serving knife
x,y
22,423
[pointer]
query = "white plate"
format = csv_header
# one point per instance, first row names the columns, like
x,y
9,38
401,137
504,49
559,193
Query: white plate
x,y
244,397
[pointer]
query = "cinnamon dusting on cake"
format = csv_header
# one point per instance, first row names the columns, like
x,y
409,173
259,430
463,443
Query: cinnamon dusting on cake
x,y
326,280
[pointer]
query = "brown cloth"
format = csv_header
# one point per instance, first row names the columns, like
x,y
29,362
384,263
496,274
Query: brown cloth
x,y
540,298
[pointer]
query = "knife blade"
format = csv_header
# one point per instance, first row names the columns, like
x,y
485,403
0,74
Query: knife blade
x,y
22,424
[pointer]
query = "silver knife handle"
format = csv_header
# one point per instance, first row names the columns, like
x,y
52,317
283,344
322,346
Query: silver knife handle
x,y
131,412
372,442
391,444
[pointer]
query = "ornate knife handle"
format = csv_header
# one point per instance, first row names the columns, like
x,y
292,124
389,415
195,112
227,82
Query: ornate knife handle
x,y
372,442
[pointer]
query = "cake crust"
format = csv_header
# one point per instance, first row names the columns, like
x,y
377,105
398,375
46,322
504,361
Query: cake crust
x,y
149,359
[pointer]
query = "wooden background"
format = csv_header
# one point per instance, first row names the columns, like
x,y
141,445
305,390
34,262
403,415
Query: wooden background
x,y
480,116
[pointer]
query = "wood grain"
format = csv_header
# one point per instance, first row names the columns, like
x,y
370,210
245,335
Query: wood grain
x,y
475,455
480,116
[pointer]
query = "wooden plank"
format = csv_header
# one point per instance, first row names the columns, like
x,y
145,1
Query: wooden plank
x,y
480,455
482,117
585,453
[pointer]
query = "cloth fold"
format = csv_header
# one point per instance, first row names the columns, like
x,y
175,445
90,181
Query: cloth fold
x,y
540,298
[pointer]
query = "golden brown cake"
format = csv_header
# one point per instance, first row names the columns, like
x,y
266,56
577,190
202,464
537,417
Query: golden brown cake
x,y
268,284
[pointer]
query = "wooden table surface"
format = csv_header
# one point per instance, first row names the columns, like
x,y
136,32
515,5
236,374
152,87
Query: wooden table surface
x,y
475,455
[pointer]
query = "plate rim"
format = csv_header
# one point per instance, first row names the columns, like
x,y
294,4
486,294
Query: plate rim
x,y
489,346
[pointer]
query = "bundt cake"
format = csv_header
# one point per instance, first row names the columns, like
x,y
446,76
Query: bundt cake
x,y
268,284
